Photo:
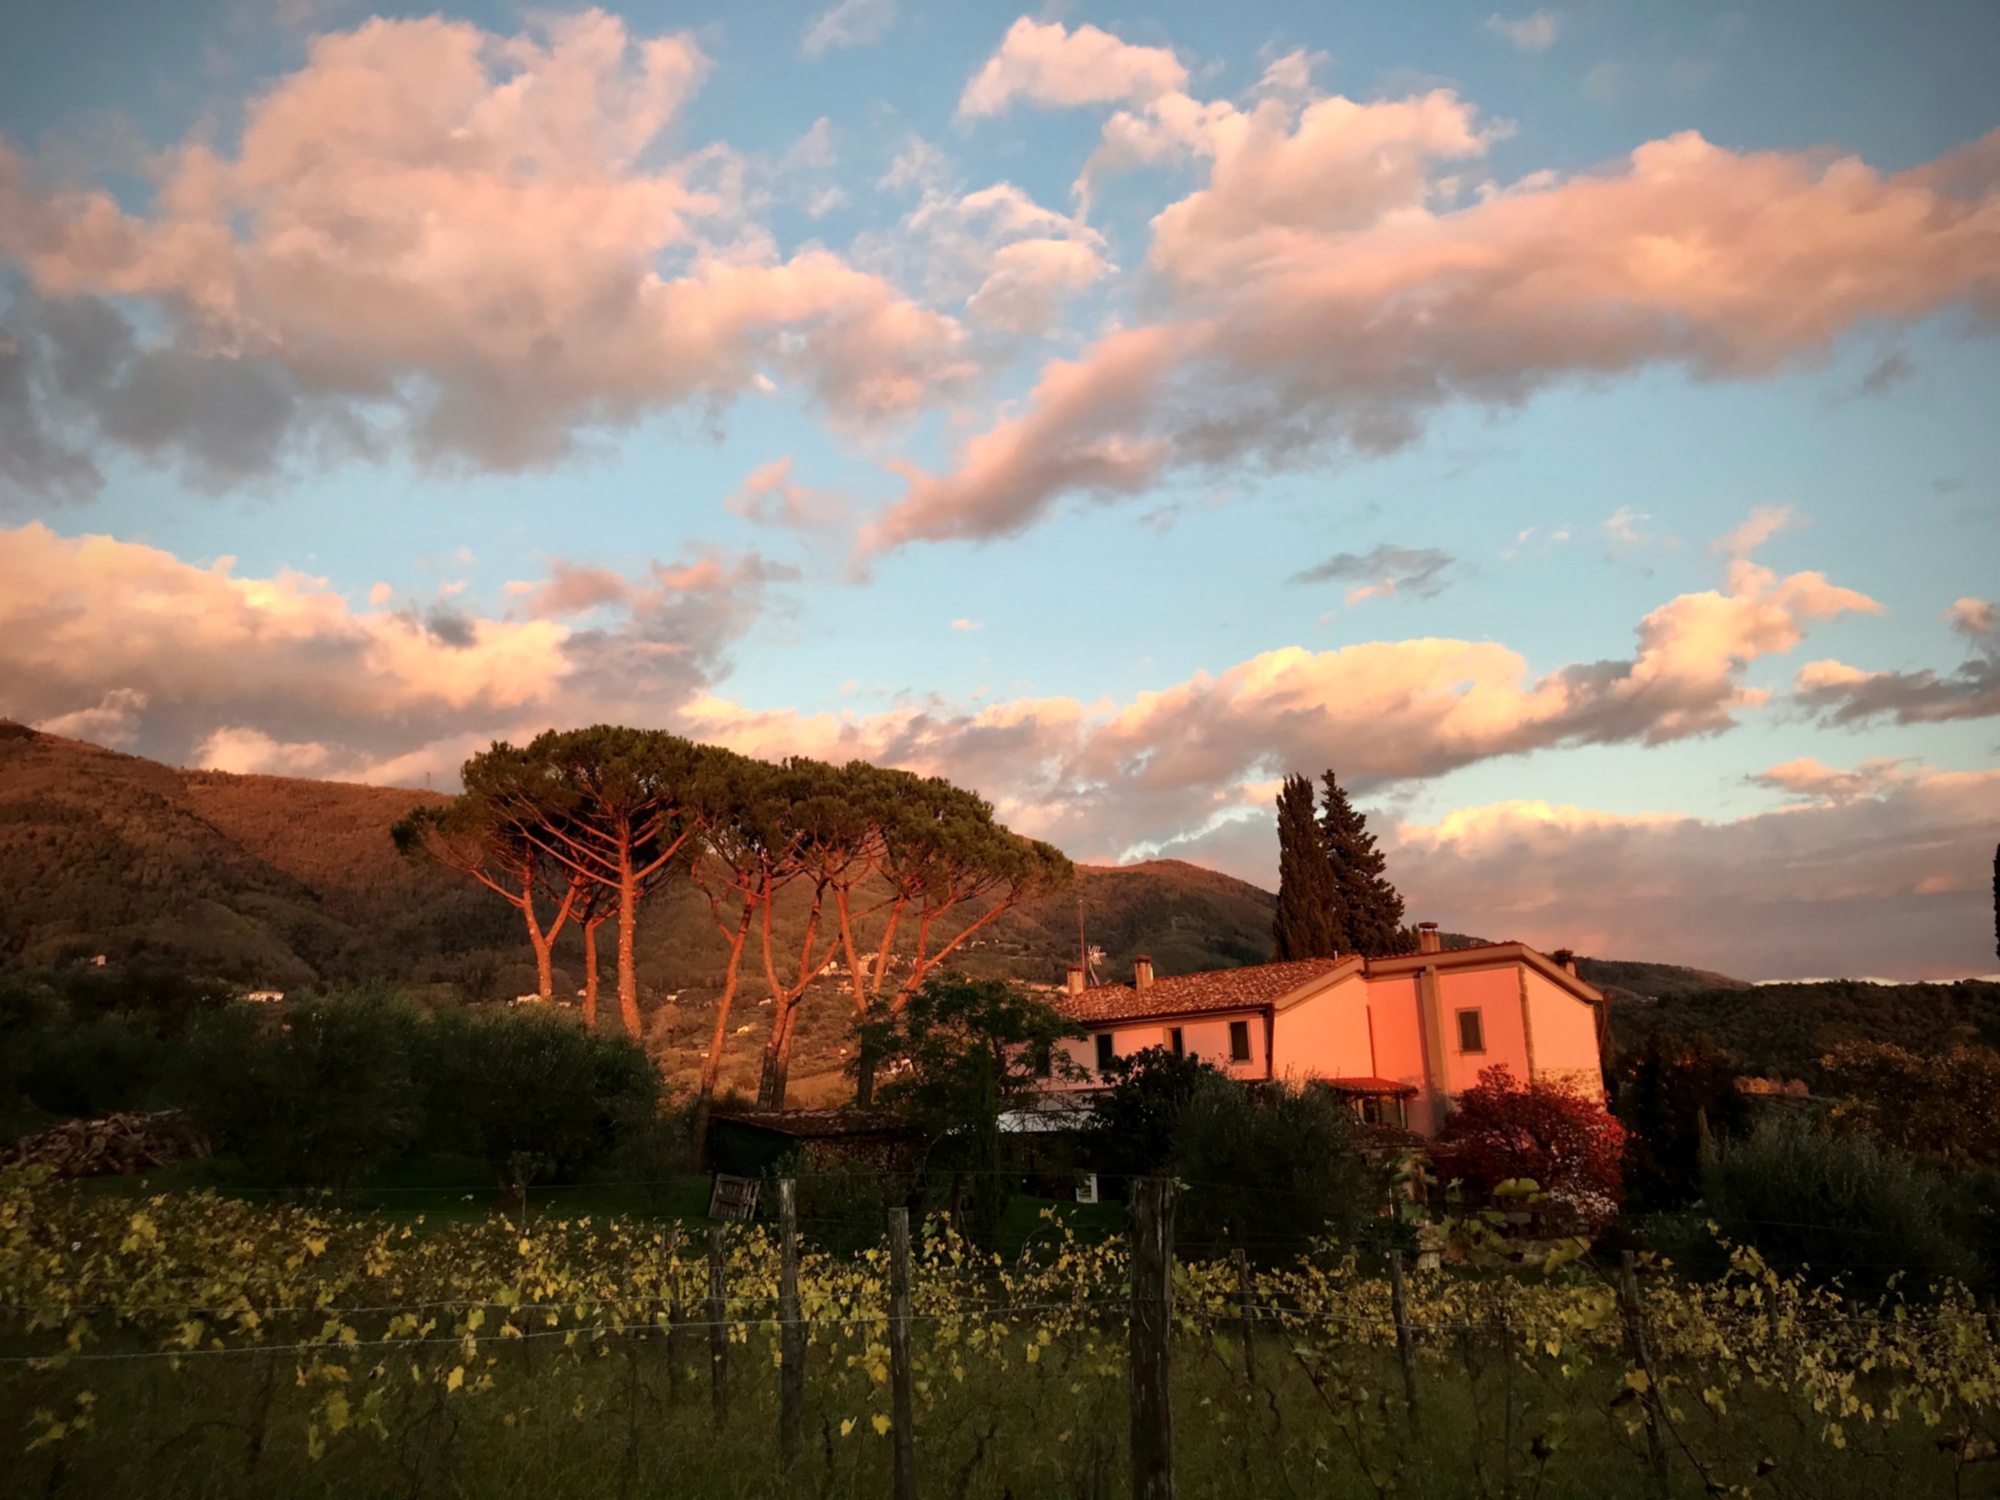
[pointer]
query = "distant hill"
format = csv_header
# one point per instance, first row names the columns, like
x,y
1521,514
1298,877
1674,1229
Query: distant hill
x,y
1621,979
1782,1030
274,881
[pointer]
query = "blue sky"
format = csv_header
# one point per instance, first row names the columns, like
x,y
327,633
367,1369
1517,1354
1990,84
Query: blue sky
x,y
1444,303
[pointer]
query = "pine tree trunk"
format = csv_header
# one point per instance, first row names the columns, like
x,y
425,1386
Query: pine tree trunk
x,y
628,916
711,1068
590,972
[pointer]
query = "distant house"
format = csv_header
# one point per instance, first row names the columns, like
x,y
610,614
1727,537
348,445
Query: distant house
x,y
1398,1036
264,997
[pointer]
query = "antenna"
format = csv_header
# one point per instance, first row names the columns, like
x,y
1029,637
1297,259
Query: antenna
x,y
1082,945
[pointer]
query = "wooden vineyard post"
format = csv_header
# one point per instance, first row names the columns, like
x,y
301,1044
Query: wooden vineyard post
x,y
1152,1320
902,1413
1635,1338
1406,1346
718,1327
791,1332
676,1334
1247,1308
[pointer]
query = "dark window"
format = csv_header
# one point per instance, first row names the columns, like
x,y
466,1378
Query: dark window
x,y
1471,1032
1174,1041
1239,1041
1105,1054
1044,1061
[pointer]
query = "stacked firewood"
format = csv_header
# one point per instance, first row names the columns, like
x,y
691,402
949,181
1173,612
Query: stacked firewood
x,y
126,1143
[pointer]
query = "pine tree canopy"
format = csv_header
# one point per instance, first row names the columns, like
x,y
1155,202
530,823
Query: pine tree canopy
x,y
1373,908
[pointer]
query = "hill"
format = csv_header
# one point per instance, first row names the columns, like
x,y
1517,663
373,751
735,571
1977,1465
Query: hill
x,y
1782,1030
285,883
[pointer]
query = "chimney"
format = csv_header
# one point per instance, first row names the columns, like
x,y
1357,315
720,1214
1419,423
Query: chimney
x,y
1566,957
1076,979
1142,973
1428,940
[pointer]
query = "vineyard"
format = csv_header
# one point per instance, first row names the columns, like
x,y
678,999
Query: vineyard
x,y
197,1345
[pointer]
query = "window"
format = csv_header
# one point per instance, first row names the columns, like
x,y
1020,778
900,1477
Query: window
x,y
1239,1041
1175,1042
1045,1063
1471,1032
1105,1054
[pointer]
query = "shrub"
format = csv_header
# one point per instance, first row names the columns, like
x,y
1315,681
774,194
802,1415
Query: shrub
x,y
1945,1107
1269,1170
1549,1131
1671,1097
532,1092
1815,1202
1136,1122
321,1097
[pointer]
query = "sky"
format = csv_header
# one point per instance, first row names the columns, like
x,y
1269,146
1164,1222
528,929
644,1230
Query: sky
x,y
1573,426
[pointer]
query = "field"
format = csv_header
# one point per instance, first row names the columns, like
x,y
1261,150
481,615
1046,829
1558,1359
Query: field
x,y
190,1344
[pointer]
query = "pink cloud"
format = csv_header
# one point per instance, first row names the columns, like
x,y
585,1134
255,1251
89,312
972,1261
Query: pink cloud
x,y
1895,882
1050,66
128,645
1327,288
1841,694
466,231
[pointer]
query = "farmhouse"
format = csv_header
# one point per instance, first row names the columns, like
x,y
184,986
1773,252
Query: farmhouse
x,y
1399,1036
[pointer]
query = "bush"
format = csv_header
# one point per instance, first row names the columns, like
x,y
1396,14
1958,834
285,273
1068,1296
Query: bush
x,y
1267,1171
1548,1131
322,1098
1136,1123
1813,1202
532,1092
1672,1096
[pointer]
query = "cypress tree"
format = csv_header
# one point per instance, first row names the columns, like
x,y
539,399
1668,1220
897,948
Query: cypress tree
x,y
1370,907
1308,922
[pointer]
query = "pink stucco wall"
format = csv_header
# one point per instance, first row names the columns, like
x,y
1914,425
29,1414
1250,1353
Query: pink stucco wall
x,y
1206,1037
1496,994
1325,1036
1565,1033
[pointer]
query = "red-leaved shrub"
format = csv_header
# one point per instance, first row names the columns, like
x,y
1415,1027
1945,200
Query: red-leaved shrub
x,y
1551,1131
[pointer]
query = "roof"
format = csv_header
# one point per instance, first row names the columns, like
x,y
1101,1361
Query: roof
x,y
1252,988
1370,1087
1487,953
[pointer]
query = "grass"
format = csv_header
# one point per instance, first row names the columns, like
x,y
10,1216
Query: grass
x,y
634,1418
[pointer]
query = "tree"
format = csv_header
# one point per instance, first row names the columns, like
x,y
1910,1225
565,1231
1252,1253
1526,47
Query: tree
x,y
1945,1108
942,850
1309,921
747,856
1135,1123
964,1052
613,807
480,833
1675,1098
1369,905
1550,1132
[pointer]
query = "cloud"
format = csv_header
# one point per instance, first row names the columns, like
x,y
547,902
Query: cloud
x,y
850,23
1893,880
1806,777
1052,67
1763,523
1530,33
1106,778
770,498
1339,278
113,720
187,663
462,244
1012,263
1383,573
1840,694
967,625
126,644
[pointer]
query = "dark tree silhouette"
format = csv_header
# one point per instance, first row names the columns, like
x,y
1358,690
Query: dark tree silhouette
x,y
1310,921
1370,906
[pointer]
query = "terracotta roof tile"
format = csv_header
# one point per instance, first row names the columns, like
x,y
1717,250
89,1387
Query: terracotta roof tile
x,y
1190,994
